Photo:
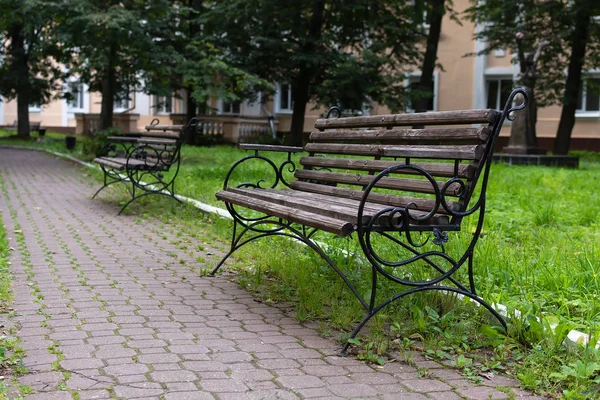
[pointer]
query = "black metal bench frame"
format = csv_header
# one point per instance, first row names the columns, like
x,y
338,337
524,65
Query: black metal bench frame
x,y
247,229
140,162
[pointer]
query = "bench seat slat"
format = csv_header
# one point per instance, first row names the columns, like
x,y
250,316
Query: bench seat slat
x,y
405,184
435,169
121,162
326,206
380,198
428,118
164,127
162,134
371,208
147,140
335,207
375,199
474,135
459,152
325,223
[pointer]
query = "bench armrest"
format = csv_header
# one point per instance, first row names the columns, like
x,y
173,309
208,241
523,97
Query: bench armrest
x,y
275,173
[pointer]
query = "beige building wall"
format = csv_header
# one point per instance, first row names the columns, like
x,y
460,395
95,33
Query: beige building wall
x,y
462,85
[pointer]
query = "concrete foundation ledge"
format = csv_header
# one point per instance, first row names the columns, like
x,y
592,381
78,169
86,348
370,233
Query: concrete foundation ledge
x,y
537,159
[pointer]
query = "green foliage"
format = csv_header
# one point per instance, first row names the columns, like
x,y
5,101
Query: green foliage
x,y
120,38
29,50
538,20
328,51
92,145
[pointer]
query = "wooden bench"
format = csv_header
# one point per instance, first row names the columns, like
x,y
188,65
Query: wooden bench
x,y
401,190
141,162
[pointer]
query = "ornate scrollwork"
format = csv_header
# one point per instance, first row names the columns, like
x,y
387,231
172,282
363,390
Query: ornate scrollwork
x,y
396,224
278,177
510,109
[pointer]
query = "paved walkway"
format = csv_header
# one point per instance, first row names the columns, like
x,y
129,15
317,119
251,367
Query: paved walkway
x,y
109,308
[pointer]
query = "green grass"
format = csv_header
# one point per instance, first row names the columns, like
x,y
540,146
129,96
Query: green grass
x,y
540,254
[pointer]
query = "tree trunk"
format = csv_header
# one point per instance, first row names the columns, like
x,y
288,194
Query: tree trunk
x,y
23,86
109,83
191,106
425,82
300,98
523,137
579,38
301,86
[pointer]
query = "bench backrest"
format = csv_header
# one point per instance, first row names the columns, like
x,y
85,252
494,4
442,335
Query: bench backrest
x,y
448,152
166,140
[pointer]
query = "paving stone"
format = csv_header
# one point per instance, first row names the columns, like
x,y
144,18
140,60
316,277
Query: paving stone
x,y
191,395
173,376
223,386
144,390
482,393
426,385
352,390
300,381
94,395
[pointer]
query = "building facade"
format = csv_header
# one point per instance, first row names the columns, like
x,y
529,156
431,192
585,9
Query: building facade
x,y
466,82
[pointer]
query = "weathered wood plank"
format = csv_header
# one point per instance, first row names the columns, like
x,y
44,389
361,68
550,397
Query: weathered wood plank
x,y
146,140
163,134
285,197
474,135
380,198
328,224
435,169
466,152
164,127
371,208
122,139
334,207
117,162
268,147
429,118
404,184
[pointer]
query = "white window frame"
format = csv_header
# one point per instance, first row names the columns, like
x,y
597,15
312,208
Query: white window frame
x,y
120,107
159,104
497,78
278,94
34,108
83,92
221,107
583,113
413,77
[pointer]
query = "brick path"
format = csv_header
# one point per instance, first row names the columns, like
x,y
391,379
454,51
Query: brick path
x,y
105,311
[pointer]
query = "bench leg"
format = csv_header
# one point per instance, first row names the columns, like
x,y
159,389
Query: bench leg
x,y
286,230
135,197
107,174
400,295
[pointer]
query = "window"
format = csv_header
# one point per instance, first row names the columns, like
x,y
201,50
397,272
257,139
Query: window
x,y
162,104
411,83
77,92
123,103
283,99
35,108
230,108
498,90
588,99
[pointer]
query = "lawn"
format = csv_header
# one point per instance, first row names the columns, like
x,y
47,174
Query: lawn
x,y
540,254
